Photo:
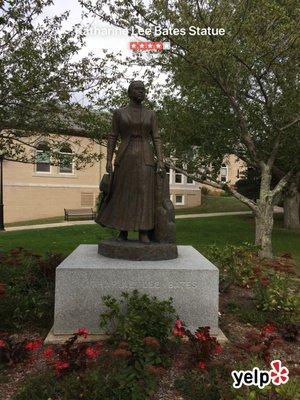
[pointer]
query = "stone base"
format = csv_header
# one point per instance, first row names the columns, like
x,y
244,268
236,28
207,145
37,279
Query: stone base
x,y
137,251
61,339
85,276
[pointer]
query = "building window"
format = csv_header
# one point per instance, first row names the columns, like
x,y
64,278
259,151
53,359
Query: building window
x,y
87,199
178,178
42,158
224,173
66,160
179,199
189,180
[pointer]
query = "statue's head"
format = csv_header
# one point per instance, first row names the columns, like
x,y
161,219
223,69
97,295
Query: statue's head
x,y
137,91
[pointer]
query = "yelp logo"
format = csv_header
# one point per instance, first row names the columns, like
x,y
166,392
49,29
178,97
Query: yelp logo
x,y
256,377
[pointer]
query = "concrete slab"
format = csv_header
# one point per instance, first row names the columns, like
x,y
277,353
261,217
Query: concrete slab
x,y
52,339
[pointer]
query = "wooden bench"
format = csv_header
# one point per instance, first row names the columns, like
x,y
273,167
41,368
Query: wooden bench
x,y
84,213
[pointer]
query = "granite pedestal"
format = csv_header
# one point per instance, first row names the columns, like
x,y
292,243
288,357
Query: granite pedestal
x,y
85,276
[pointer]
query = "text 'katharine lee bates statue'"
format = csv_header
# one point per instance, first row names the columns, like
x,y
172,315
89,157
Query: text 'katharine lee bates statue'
x,y
135,193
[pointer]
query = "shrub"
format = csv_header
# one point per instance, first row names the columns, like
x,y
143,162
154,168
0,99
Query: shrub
x,y
260,344
290,332
204,346
72,356
209,386
107,381
13,351
140,326
273,292
29,288
137,316
37,387
235,264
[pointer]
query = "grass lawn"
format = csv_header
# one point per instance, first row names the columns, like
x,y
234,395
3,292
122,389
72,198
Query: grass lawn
x,y
211,204
198,232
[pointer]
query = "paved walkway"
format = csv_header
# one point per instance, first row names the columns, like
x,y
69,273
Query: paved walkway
x,y
219,214
181,216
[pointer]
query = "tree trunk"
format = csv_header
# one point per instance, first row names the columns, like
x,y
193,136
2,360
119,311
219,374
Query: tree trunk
x,y
291,207
263,229
264,215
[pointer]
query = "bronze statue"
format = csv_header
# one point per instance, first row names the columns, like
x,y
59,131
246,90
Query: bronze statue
x,y
131,196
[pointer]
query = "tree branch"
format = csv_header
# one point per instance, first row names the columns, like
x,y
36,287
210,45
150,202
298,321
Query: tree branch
x,y
290,124
251,204
281,184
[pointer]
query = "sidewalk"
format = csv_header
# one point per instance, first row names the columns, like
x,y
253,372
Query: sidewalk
x,y
206,215
181,216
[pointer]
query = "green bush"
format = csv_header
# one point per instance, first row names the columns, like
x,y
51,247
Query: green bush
x,y
235,264
143,325
110,380
137,316
29,288
198,385
274,292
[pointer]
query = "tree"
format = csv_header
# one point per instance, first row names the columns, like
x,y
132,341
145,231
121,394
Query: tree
x,y
249,185
248,77
291,204
39,80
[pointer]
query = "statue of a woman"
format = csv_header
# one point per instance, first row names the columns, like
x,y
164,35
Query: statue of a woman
x,y
131,203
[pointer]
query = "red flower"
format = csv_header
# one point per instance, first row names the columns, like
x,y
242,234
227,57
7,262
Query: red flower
x,y
61,365
201,336
2,344
178,329
91,353
267,330
218,349
179,324
201,365
48,353
83,332
178,332
33,345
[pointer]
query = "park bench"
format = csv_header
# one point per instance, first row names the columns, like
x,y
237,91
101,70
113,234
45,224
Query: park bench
x,y
84,213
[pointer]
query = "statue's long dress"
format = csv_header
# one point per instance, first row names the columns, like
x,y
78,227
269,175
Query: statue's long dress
x,y
131,202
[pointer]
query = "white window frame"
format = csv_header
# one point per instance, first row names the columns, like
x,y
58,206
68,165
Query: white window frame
x,y
182,202
73,165
35,164
178,183
223,166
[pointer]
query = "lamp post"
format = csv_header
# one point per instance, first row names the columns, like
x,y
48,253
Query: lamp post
x,y
1,192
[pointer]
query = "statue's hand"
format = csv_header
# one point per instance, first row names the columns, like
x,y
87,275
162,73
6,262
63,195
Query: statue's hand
x,y
109,167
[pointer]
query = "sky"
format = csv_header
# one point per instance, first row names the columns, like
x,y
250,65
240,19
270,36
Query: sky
x,y
100,35
96,39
